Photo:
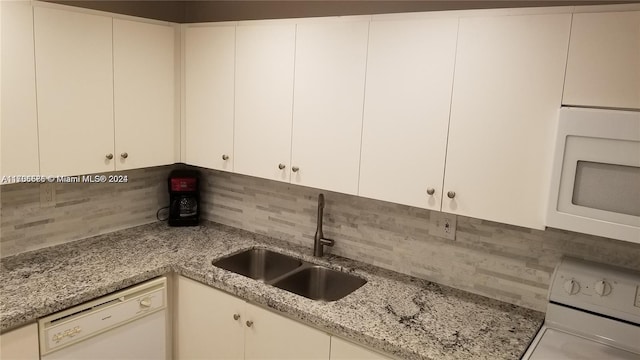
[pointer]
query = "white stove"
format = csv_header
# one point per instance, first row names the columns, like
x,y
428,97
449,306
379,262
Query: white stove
x,y
593,314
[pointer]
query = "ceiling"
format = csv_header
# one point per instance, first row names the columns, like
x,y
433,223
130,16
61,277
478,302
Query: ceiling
x,y
188,11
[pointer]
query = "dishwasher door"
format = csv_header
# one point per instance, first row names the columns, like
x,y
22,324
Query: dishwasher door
x,y
130,324
140,339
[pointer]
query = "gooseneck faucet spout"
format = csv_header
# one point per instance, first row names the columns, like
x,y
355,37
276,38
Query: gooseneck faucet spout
x,y
319,233
319,242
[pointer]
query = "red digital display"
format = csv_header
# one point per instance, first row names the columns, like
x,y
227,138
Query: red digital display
x,y
183,184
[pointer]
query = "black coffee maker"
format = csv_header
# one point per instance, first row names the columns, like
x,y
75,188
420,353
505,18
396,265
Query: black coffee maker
x,y
184,198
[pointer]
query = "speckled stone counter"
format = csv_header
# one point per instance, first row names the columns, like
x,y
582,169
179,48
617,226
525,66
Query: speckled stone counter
x,y
394,313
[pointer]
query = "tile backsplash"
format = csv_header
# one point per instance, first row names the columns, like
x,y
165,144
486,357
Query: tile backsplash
x,y
79,210
504,262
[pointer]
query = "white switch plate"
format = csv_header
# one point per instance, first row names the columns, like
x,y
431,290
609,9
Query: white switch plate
x,y
442,225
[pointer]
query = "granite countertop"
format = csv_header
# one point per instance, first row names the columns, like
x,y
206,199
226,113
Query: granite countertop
x,y
397,314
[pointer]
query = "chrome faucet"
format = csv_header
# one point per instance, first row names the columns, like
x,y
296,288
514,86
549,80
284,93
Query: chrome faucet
x,y
319,242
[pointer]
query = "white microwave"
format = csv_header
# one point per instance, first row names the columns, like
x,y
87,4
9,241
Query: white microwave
x,y
595,181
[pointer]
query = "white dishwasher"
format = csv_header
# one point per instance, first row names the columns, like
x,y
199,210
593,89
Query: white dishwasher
x,y
129,324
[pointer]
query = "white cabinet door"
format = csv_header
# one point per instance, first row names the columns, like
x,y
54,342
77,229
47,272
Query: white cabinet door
x,y
21,343
406,111
144,96
328,103
206,328
506,96
264,99
74,81
272,336
212,324
209,91
19,118
603,68
345,350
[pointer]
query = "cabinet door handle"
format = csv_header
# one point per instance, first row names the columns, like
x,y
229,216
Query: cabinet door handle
x,y
281,166
451,194
295,169
145,303
249,323
236,316
431,191
124,155
109,156
225,157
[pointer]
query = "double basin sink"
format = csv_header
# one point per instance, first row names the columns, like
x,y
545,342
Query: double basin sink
x,y
294,275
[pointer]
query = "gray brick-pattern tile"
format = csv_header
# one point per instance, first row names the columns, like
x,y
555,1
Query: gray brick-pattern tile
x,y
500,261
504,262
80,209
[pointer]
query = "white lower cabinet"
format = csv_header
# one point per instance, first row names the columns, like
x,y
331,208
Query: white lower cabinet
x,y
345,350
214,325
20,343
206,328
272,336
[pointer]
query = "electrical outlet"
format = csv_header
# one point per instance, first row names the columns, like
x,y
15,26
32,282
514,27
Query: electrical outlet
x,y
47,194
443,225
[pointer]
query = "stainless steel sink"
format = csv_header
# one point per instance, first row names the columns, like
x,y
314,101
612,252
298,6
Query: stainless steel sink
x,y
288,273
320,283
259,264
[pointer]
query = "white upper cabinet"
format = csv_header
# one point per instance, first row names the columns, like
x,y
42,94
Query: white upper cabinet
x,y
74,72
264,99
143,65
18,104
506,96
603,68
406,111
328,103
209,92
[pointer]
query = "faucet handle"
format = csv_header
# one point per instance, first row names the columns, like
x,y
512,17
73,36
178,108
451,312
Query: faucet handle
x,y
327,242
